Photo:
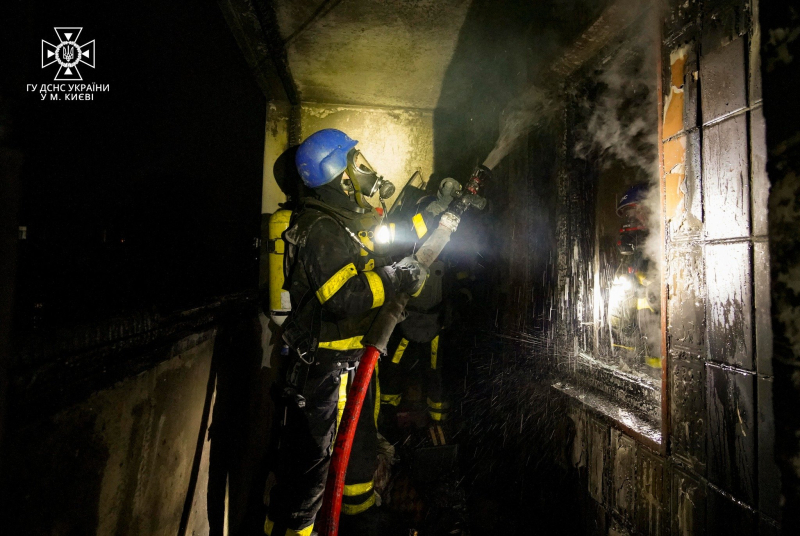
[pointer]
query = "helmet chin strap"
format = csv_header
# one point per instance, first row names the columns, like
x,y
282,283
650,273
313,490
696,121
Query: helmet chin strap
x,y
355,191
359,197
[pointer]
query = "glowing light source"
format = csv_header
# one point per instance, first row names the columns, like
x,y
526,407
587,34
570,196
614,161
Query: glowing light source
x,y
383,235
620,291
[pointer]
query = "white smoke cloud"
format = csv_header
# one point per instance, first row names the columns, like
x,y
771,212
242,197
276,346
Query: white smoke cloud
x,y
621,110
622,122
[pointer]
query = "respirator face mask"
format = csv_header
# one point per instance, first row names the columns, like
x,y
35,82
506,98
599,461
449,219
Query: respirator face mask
x,y
365,181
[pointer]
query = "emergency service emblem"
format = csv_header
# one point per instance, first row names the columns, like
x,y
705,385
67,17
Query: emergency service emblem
x,y
68,54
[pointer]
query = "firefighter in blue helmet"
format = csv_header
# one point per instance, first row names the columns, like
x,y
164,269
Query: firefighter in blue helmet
x,y
337,280
634,304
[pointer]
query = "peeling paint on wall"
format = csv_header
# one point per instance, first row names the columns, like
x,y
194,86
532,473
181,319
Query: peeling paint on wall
x,y
673,103
623,452
598,459
688,504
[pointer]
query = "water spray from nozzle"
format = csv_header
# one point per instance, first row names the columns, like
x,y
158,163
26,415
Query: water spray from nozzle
x,y
534,108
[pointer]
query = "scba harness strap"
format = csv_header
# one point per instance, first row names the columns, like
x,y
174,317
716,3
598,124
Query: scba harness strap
x,y
299,338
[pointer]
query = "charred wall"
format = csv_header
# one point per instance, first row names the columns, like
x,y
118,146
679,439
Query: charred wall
x,y
780,47
116,463
714,471
713,468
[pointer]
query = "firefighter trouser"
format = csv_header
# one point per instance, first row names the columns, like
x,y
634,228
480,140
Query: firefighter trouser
x,y
395,367
304,451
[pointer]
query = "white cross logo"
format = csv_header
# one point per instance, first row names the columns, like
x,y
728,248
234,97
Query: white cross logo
x,y
68,54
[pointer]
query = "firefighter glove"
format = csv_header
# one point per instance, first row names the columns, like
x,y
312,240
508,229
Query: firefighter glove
x,y
447,188
410,275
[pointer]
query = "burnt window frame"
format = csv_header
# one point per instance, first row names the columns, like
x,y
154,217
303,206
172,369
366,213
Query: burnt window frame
x,y
580,379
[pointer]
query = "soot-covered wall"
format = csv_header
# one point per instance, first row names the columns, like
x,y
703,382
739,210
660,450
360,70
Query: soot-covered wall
x,y
536,458
719,475
780,23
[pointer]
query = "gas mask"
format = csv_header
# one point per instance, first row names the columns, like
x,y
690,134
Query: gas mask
x,y
364,180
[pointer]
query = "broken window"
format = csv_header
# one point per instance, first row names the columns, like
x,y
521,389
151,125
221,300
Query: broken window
x,y
612,235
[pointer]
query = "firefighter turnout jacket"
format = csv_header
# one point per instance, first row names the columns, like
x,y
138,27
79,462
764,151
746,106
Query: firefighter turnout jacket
x,y
337,284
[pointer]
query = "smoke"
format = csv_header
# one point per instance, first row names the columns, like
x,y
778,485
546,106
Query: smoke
x,y
625,87
534,108
616,132
622,122
621,109
652,249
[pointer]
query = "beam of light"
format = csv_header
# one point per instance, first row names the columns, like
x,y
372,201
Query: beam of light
x,y
383,235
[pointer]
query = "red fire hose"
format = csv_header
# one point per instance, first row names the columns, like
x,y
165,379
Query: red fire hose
x,y
375,343
334,488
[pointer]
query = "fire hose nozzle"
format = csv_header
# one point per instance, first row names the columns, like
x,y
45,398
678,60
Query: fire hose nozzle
x,y
480,177
476,182
469,193
475,201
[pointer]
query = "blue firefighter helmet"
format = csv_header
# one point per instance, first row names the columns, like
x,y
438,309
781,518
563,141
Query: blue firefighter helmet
x,y
633,196
323,156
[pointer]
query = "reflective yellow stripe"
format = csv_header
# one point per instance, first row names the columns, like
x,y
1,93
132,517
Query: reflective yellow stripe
x,y
353,490
433,435
392,231
436,405
642,303
369,266
353,343
653,362
392,400
437,435
417,293
437,410
462,275
419,225
376,286
398,354
377,395
269,526
336,282
437,415
353,509
342,399
434,351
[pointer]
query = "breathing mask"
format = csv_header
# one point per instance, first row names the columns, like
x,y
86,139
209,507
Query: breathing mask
x,y
364,180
